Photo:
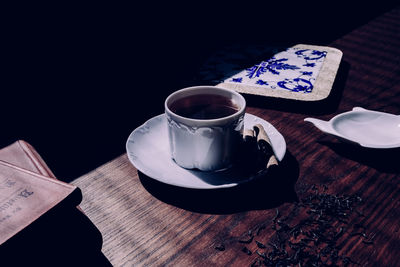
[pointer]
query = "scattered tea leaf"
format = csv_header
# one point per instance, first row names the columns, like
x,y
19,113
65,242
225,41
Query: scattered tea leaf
x,y
246,250
260,245
220,247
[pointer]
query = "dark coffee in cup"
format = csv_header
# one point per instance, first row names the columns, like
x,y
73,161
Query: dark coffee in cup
x,y
204,107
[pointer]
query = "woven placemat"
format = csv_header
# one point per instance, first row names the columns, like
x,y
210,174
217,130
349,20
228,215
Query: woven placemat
x,y
321,87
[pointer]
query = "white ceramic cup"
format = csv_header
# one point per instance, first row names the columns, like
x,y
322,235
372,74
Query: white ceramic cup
x,y
207,144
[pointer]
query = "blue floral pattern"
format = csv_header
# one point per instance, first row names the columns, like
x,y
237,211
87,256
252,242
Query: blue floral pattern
x,y
294,69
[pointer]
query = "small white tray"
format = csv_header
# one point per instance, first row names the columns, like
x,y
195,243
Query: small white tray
x,y
368,128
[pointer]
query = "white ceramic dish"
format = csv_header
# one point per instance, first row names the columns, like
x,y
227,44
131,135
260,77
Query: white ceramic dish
x,y
368,128
148,150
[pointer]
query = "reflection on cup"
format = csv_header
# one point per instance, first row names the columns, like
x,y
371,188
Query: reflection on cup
x,y
205,125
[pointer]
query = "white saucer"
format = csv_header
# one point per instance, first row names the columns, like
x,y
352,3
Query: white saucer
x,y
148,150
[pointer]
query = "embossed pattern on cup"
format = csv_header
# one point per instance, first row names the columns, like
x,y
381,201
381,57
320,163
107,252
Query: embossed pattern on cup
x,y
205,144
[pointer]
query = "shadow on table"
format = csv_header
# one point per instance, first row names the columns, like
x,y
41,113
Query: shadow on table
x,y
64,236
265,192
384,160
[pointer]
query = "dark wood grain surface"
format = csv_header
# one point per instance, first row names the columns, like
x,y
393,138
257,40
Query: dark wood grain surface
x,y
146,223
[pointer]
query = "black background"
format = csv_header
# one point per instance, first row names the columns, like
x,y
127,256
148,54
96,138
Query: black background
x,y
76,80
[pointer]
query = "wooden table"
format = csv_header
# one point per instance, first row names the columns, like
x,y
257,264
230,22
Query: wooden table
x,y
146,223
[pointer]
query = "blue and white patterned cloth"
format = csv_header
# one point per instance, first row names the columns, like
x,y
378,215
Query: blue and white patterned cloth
x,y
294,69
